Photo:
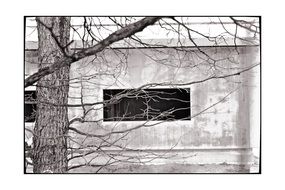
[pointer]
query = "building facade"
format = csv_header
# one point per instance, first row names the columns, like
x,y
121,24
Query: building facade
x,y
125,104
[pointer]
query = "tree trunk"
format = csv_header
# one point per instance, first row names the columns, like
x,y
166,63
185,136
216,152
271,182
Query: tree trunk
x,y
50,143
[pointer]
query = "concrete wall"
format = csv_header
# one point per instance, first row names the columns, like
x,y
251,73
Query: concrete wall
x,y
227,126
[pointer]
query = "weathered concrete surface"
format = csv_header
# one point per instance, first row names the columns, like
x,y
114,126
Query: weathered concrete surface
x,y
233,156
225,125
229,124
172,168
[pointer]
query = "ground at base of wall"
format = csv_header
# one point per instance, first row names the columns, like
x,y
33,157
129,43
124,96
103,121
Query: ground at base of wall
x,y
173,168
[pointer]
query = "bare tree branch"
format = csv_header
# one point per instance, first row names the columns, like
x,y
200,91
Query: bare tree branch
x,y
125,32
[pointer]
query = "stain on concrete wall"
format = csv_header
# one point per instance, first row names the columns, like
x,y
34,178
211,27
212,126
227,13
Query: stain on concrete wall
x,y
225,125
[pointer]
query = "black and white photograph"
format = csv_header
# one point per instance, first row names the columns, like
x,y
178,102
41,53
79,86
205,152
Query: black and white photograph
x,y
142,94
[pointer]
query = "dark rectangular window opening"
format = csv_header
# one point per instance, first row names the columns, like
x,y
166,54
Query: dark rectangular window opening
x,y
147,104
30,106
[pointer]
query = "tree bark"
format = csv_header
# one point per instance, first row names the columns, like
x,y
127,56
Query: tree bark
x,y
51,127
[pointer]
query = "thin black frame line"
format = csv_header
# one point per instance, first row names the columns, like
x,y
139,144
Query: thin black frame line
x,y
251,16
260,57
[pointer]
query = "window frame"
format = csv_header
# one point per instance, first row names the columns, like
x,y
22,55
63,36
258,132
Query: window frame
x,y
107,119
30,103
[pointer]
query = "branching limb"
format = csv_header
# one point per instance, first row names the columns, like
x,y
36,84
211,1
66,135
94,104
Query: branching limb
x,y
125,32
